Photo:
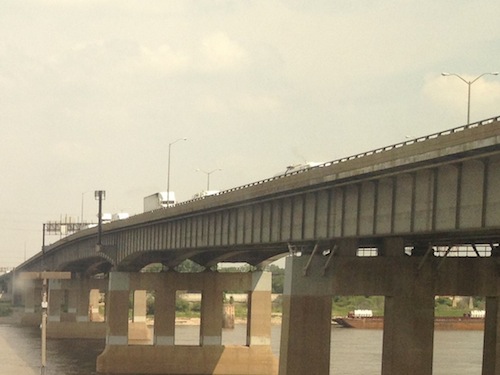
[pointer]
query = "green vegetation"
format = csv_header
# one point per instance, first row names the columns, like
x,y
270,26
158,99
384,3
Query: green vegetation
x,y
188,265
5,309
187,309
278,278
445,306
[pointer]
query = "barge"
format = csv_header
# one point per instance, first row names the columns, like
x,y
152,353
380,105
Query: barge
x,y
469,322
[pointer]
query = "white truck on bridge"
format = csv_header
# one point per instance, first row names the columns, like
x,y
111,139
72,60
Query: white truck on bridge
x,y
298,167
158,200
205,193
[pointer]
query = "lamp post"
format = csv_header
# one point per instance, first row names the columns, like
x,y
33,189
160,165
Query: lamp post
x,y
99,195
168,166
208,175
81,217
469,84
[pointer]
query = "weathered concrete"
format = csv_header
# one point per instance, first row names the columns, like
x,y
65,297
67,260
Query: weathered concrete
x,y
72,330
210,357
32,299
491,346
137,328
184,360
409,284
409,327
82,319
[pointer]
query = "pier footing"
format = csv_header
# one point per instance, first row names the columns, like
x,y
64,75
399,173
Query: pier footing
x,y
199,360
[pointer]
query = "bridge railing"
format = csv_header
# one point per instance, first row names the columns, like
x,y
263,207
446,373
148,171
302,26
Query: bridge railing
x,y
357,156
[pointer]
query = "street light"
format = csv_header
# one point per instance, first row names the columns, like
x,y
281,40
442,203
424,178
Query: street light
x,y
208,175
168,167
99,195
81,217
469,84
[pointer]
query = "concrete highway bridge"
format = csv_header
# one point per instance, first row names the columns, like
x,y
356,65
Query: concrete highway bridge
x,y
386,222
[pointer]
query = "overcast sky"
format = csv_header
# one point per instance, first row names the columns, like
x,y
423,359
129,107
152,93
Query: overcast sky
x,y
93,91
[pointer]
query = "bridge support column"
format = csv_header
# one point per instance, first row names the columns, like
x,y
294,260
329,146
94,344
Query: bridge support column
x,y
117,309
408,336
83,313
491,347
164,327
211,319
32,295
75,324
138,329
259,323
306,326
56,294
210,357
73,297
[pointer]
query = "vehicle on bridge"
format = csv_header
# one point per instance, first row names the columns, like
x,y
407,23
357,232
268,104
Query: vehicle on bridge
x,y
120,216
159,200
205,193
297,168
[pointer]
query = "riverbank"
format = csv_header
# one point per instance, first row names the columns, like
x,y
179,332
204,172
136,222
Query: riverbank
x,y
14,317
275,320
17,313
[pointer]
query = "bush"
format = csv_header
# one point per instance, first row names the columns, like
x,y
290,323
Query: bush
x,y
444,301
5,310
181,305
195,306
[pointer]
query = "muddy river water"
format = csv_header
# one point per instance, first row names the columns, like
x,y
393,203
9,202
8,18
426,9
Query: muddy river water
x,y
354,351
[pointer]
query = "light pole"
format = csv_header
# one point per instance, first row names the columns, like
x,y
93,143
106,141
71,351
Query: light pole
x,y
81,217
168,166
469,84
99,195
208,175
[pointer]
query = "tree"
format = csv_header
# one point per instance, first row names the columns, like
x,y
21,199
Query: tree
x,y
188,266
278,278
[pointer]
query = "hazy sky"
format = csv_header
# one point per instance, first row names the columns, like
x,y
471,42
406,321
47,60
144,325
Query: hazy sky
x,y
93,91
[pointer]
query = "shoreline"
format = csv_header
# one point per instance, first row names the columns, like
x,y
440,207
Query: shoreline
x,y
14,317
275,320
17,313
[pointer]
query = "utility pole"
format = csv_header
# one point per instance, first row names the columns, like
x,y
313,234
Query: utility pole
x,y
99,195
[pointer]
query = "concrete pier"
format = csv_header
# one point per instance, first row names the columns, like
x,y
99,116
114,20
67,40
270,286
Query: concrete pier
x,y
409,284
80,320
32,299
210,356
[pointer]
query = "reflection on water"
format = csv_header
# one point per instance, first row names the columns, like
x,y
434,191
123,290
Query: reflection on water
x,y
354,351
64,357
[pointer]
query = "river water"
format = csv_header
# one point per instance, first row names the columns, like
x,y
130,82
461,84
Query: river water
x,y
354,351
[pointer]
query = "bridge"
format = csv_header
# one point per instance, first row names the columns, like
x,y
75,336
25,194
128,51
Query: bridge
x,y
5,270
369,224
